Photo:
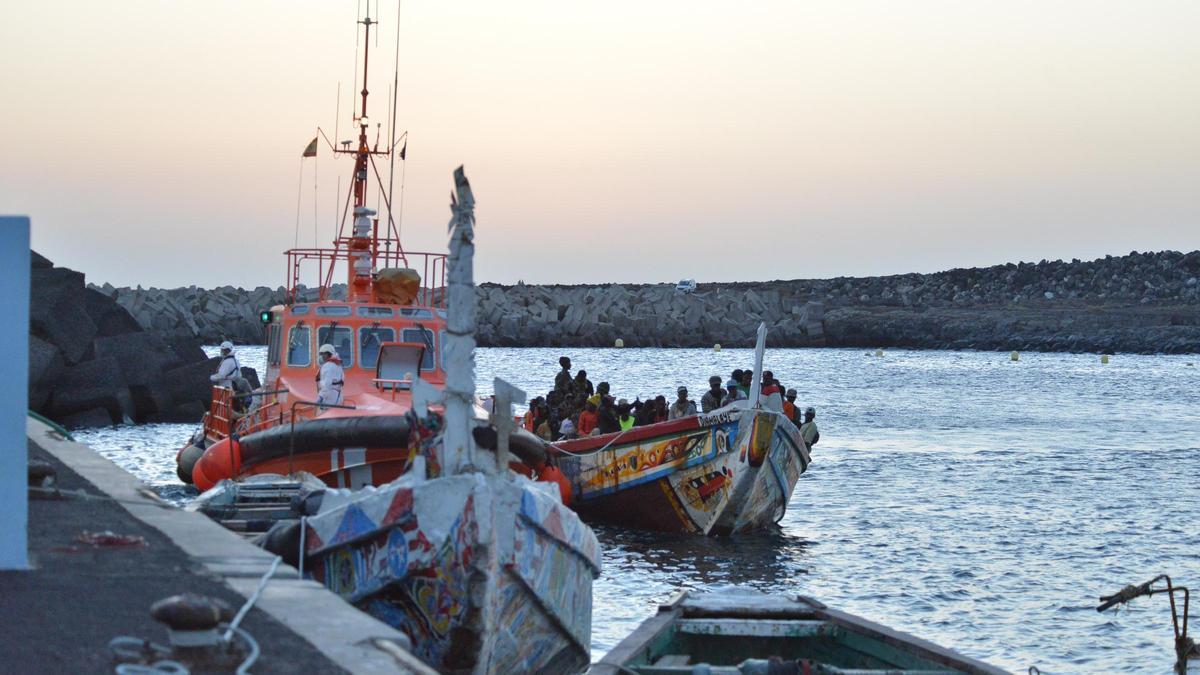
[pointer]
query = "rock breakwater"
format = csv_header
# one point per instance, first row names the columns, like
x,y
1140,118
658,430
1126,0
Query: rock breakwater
x,y
92,364
1141,302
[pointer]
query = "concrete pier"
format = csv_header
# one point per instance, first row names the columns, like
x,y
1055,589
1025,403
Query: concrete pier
x,y
60,616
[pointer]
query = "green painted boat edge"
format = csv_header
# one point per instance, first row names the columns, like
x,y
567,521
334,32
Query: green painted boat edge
x,y
656,632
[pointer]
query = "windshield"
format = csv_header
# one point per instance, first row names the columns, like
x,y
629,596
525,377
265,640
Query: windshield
x,y
369,340
415,335
299,351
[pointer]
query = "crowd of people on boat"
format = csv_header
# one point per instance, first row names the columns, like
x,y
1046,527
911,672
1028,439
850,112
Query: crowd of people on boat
x,y
575,408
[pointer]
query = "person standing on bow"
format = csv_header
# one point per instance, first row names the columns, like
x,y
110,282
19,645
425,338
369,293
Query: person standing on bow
x,y
808,430
229,369
330,377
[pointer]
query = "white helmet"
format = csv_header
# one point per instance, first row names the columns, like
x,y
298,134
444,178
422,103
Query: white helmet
x,y
227,345
327,349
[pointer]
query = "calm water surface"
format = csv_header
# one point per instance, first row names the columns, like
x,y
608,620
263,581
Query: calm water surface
x,y
975,502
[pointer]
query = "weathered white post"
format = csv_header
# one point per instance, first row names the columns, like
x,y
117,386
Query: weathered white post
x,y
459,344
14,399
759,347
502,418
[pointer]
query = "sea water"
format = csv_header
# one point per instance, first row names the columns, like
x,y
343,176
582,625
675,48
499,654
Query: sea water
x,y
976,502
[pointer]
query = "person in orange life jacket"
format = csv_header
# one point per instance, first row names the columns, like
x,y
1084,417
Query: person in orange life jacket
x,y
530,419
229,368
330,377
588,419
789,408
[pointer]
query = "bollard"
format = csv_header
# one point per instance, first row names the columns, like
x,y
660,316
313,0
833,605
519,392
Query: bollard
x,y
717,347
1104,358
1014,356
619,343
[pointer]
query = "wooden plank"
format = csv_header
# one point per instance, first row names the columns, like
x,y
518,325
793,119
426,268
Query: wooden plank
x,y
672,660
768,628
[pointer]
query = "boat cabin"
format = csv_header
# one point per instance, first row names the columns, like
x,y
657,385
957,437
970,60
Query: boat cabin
x,y
379,344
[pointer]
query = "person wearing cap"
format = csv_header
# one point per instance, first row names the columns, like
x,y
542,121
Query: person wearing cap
x,y
808,430
733,392
229,369
330,377
711,400
789,407
682,407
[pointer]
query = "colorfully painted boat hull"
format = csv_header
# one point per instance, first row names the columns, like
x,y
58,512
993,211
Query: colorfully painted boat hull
x,y
730,471
485,574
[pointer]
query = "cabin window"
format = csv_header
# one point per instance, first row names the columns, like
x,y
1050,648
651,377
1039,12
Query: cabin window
x,y
341,337
369,340
442,354
375,312
273,332
411,313
333,310
299,309
421,336
299,346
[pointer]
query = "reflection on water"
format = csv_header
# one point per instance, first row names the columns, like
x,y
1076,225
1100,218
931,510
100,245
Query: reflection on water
x,y
978,503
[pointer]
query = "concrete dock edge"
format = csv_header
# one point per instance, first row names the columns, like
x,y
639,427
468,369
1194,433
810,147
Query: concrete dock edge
x,y
348,637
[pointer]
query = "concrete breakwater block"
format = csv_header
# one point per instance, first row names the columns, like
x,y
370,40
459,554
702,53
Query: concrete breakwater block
x,y
92,363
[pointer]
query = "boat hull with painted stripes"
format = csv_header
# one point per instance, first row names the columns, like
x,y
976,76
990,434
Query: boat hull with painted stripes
x,y
729,471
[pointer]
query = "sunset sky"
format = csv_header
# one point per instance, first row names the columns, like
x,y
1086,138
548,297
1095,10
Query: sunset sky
x,y
158,143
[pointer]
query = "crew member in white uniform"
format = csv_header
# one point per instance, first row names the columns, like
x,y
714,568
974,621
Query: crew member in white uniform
x,y
229,368
330,377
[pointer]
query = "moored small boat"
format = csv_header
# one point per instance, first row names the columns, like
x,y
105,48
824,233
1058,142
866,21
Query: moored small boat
x,y
739,632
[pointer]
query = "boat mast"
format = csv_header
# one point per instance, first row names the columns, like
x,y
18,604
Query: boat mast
x,y
363,243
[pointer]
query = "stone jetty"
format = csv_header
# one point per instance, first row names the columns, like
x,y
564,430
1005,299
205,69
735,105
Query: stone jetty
x,y
1141,302
92,364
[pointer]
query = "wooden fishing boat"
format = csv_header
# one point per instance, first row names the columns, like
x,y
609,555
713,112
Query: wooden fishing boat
x,y
485,573
740,632
729,471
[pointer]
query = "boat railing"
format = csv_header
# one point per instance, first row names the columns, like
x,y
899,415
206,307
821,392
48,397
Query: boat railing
x,y
220,417
431,266
393,385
